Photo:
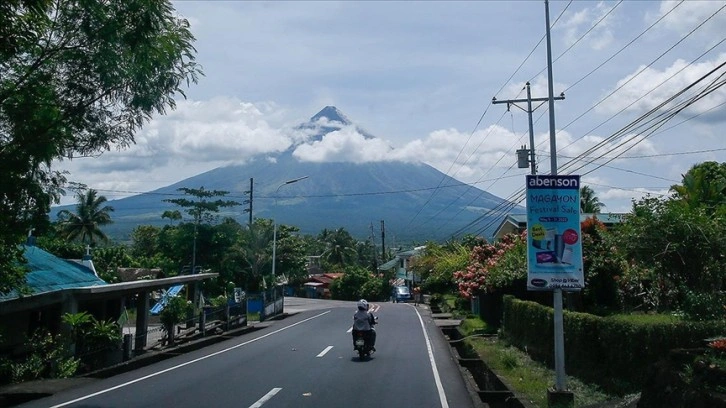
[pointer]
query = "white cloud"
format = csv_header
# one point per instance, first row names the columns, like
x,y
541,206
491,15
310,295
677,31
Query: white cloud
x,y
648,87
344,145
577,23
689,14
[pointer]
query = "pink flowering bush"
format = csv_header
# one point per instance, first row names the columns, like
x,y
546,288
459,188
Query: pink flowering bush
x,y
482,260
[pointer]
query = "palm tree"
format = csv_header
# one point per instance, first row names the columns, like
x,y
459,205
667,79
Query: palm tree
x,y
589,203
91,214
340,247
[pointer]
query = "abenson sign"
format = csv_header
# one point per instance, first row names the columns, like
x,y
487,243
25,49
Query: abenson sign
x,y
554,239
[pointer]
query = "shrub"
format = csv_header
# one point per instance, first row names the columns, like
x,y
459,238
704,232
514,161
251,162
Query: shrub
x,y
704,306
48,358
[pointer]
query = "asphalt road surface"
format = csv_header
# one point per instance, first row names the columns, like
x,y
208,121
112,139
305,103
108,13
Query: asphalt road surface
x,y
305,360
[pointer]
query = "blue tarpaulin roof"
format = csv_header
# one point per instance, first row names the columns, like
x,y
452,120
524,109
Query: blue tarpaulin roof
x,y
49,273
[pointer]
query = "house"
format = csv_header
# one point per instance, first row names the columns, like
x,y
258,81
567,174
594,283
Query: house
x,y
517,223
56,286
401,265
318,286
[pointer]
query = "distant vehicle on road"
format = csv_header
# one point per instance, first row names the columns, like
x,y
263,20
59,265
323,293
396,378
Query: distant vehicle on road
x,y
401,294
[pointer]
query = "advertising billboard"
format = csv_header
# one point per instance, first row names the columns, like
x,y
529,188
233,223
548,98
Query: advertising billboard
x,y
554,240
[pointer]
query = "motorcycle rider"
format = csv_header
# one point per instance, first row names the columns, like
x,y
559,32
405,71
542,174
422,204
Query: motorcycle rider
x,y
363,320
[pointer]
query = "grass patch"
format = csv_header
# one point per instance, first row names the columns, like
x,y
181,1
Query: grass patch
x,y
529,378
472,325
253,317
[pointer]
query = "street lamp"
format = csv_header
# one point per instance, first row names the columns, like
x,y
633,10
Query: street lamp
x,y
274,230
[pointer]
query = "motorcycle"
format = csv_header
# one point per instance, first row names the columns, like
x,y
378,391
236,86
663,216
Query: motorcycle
x,y
362,342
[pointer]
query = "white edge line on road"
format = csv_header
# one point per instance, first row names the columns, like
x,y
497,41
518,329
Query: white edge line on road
x,y
266,398
146,377
325,351
437,378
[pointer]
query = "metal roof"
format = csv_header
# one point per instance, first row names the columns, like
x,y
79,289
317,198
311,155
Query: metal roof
x,y
48,273
389,265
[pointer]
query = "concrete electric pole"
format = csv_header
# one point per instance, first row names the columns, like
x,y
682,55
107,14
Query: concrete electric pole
x,y
529,110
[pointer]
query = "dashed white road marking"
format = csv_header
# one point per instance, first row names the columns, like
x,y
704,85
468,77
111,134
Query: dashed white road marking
x,y
325,351
266,398
146,377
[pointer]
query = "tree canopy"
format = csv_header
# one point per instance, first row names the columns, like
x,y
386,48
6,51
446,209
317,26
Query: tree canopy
x,y
85,224
589,202
77,79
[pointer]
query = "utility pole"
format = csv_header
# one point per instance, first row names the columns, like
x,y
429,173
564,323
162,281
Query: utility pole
x,y
529,110
559,330
383,241
249,210
375,251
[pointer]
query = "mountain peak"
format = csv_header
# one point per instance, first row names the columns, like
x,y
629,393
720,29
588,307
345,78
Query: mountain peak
x,y
331,113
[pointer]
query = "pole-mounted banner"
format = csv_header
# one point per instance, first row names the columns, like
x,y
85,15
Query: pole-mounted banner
x,y
554,243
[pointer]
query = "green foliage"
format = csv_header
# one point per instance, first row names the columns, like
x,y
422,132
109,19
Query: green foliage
x,y
589,202
685,248
704,306
511,267
603,265
436,266
107,260
219,301
704,186
61,247
13,275
350,285
77,79
145,241
375,289
85,224
91,335
202,207
47,358
175,311
436,300
476,277
340,248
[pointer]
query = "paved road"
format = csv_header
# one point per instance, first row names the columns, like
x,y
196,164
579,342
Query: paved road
x,y
306,360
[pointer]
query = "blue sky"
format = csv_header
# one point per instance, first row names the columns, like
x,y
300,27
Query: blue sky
x,y
420,76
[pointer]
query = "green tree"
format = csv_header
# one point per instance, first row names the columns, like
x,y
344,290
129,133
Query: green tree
x,y
704,186
589,202
85,224
683,246
172,216
350,285
203,207
77,79
145,241
340,247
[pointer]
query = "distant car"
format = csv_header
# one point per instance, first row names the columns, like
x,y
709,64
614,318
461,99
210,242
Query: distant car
x,y
401,294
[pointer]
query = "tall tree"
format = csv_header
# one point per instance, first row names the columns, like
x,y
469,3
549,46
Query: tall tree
x,y
77,78
589,202
85,224
203,207
340,247
704,186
